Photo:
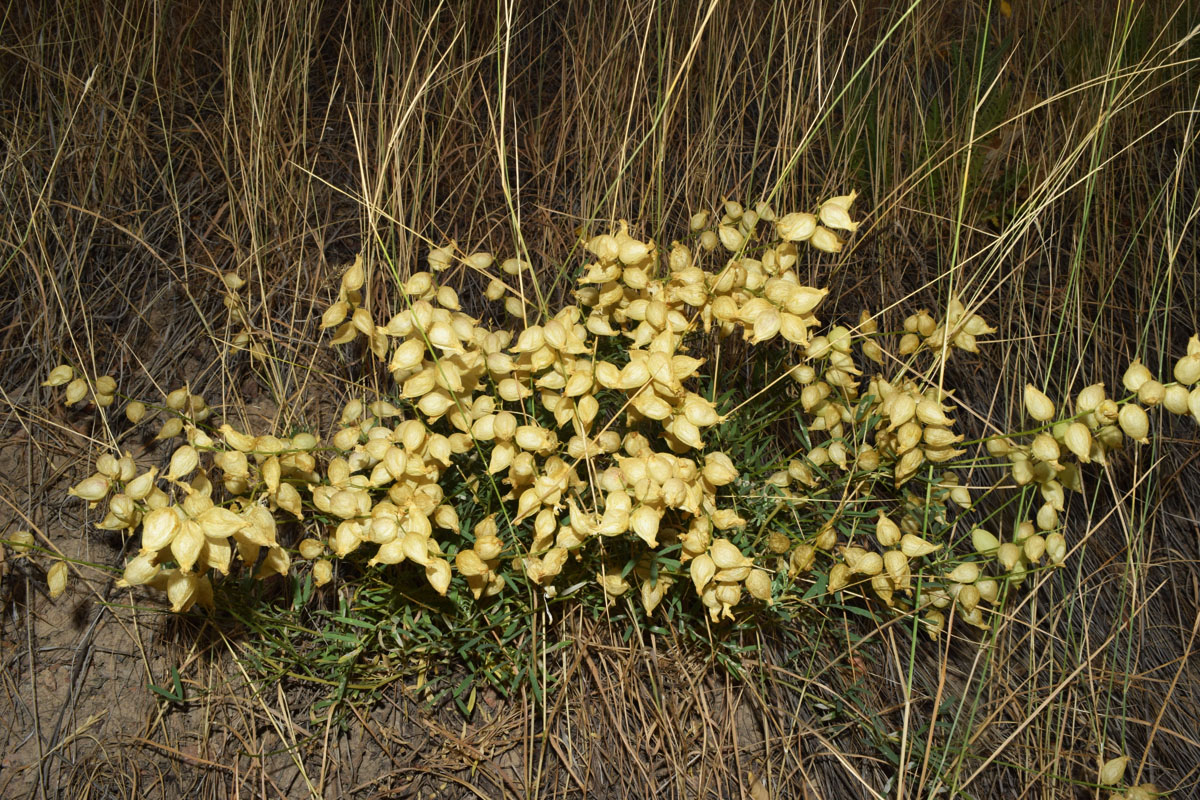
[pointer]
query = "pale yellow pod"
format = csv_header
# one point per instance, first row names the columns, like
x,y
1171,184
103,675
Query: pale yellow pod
x,y
91,489
834,215
1034,548
796,227
181,590
966,572
1135,375
702,569
1037,404
1134,422
1090,398
1175,399
914,546
984,542
135,412
76,391
1078,440
1187,369
1112,771
1047,517
1056,547
184,461
896,565
56,579
1045,448
60,375
839,576
322,572
311,549
1151,393
825,240
140,570
159,528
869,564
731,238
186,546
726,555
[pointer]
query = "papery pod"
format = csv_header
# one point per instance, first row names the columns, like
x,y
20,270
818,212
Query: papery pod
x,y
92,489
984,542
1056,548
934,622
719,469
184,460
869,564
347,538
1187,369
839,576
322,572
801,559
613,583
217,554
56,579
915,547
728,594
1112,771
1009,555
437,572
895,563
835,215
654,592
702,569
1078,440
825,240
276,562
1175,399
60,375
187,544
260,528
887,533
159,528
1038,405
1135,375
181,589
140,570
882,585
220,523
1134,422
758,584
966,572
1151,393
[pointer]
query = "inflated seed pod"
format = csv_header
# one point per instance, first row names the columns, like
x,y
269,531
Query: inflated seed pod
x,y
1135,375
839,576
1078,440
914,546
1134,422
1175,399
966,572
1187,369
1037,404
1112,771
984,542
825,240
758,584
1008,554
1151,393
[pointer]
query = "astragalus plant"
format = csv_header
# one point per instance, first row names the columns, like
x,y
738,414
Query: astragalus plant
x,y
577,443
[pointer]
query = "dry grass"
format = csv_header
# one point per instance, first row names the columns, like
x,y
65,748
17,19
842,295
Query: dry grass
x,y
1042,165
